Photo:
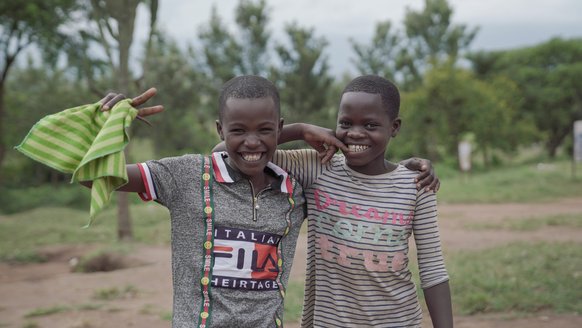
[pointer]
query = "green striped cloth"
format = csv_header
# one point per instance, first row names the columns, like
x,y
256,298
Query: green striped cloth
x,y
86,142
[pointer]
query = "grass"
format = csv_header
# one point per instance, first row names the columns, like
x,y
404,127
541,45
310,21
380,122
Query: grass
x,y
23,233
114,293
294,301
521,278
532,223
40,312
520,183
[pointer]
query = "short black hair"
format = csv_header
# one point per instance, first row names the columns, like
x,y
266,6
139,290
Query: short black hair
x,y
248,87
377,85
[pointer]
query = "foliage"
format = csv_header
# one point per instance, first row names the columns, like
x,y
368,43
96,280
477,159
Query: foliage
x,y
252,19
547,76
23,23
303,78
187,124
451,103
381,56
432,38
16,200
226,54
518,278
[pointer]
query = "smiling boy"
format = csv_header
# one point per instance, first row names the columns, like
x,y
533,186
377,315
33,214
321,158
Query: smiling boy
x,y
362,209
235,216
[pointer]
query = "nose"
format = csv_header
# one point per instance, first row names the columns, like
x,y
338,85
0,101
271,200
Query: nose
x,y
355,133
252,140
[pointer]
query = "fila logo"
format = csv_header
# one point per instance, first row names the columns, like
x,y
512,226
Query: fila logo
x,y
245,259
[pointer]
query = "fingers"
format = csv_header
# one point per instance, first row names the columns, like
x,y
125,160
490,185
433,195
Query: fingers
x,y
112,101
337,144
417,164
108,97
139,100
423,180
147,111
329,152
427,181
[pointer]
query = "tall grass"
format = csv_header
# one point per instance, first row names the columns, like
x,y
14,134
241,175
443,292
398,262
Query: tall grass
x,y
521,183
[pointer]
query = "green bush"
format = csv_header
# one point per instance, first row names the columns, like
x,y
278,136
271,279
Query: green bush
x,y
64,195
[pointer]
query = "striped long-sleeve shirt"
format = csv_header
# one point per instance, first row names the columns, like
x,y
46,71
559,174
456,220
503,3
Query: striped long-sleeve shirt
x,y
87,143
359,229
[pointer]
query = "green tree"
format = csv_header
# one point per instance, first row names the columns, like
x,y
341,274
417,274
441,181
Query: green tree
x,y
252,19
303,78
432,38
34,91
227,54
187,126
381,56
112,25
451,103
548,77
22,24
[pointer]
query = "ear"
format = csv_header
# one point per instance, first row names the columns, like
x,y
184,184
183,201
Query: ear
x,y
219,130
281,123
396,124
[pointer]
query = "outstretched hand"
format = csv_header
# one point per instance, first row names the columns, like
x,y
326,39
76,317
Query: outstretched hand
x,y
427,177
113,98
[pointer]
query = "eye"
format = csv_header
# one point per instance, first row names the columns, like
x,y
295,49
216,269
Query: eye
x,y
370,126
237,131
344,124
266,130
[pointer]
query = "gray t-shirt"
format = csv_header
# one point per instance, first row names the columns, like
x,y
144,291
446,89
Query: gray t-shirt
x,y
253,241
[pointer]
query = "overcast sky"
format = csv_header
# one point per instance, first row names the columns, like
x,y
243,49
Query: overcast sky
x,y
502,24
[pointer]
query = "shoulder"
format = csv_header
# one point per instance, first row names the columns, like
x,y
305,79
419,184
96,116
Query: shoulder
x,y
178,163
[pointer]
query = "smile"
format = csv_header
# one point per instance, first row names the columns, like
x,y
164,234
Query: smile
x,y
251,157
357,148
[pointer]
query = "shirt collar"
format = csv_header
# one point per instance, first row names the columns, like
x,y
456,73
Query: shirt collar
x,y
223,173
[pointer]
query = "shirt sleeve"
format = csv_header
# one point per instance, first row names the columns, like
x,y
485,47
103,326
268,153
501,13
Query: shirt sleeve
x,y
162,180
303,164
428,243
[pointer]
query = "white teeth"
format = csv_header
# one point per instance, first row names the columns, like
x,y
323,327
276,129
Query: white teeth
x,y
251,157
357,148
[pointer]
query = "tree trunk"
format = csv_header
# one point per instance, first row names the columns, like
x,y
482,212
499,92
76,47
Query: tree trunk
x,y
124,226
125,20
2,142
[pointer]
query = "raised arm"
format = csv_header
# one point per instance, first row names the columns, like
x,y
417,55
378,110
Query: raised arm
x,y
321,139
134,183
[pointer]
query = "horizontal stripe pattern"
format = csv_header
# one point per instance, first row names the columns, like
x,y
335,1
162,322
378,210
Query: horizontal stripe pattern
x,y
87,143
357,224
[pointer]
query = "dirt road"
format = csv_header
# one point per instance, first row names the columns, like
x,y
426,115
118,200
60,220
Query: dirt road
x,y
144,291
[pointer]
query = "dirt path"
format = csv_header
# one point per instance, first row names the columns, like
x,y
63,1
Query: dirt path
x,y
148,292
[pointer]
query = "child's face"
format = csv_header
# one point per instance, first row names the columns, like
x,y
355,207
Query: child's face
x,y
250,129
364,126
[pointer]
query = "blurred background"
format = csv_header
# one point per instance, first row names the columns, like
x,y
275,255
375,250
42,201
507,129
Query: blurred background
x,y
490,92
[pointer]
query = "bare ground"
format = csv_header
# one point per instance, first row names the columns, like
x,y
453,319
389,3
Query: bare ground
x,y
146,302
